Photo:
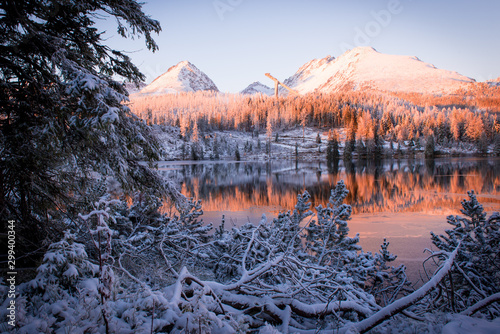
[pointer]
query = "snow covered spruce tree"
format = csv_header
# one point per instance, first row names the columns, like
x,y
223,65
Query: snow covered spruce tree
x,y
62,119
328,243
474,280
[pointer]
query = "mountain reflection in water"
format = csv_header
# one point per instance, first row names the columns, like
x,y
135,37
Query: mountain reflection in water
x,y
430,186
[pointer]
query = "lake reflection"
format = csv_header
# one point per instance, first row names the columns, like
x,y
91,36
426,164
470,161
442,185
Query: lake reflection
x,y
430,186
402,200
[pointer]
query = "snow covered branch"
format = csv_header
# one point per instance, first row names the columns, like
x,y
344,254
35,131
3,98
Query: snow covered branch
x,y
405,302
482,304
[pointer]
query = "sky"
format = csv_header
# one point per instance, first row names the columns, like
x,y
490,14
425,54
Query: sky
x,y
235,42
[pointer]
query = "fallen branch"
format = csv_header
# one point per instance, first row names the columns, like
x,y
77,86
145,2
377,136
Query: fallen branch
x,y
403,303
482,304
186,277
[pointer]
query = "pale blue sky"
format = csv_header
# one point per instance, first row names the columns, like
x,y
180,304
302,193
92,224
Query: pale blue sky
x,y
236,41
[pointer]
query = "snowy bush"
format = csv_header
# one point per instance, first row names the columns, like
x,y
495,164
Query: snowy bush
x,y
64,295
475,274
130,269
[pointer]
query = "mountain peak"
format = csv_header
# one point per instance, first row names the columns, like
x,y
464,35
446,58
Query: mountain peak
x,y
362,49
366,68
182,77
358,52
257,88
180,65
184,63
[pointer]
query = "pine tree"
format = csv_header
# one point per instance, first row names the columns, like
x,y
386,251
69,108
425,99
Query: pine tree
x,y
475,274
195,135
184,127
361,149
269,129
399,150
350,141
61,116
378,151
237,154
418,144
496,146
332,149
183,151
318,139
429,151
482,144
328,238
195,152
411,147
288,223
269,135
386,123
347,154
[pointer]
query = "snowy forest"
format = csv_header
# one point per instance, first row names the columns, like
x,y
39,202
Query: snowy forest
x,y
87,247
469,116
362,123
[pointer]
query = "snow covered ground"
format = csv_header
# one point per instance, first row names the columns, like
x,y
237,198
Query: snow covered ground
x,y
289,142
250,146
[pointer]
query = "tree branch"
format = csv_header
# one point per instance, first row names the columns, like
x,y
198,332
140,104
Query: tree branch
x,y
403,303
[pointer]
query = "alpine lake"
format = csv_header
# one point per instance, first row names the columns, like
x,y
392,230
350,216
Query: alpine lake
x,y
400,200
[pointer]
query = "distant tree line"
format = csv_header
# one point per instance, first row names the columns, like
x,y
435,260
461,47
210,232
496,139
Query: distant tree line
x,y
367,117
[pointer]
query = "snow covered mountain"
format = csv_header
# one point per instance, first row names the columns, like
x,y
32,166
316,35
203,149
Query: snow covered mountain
x,y
257,88
183,77
364,67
